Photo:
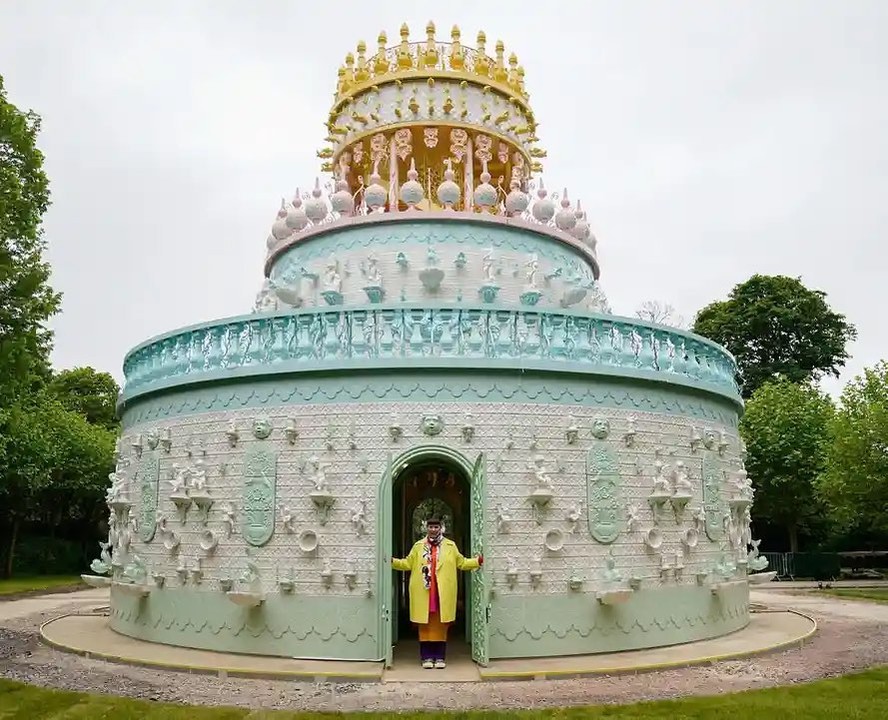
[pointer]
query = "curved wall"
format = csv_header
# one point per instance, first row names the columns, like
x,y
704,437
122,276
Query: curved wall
x,y
514,418
405,247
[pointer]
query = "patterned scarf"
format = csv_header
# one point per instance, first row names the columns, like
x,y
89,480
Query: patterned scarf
x,y
427,559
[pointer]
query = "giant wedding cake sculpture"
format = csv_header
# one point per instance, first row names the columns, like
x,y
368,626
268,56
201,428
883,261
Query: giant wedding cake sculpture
x,y
430,333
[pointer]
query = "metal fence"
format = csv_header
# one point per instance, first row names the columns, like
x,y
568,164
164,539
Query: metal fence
x,y
819,566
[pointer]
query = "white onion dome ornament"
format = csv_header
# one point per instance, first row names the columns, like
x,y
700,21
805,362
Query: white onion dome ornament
x,y
543,209
279,230
315,207
516,201
375,195
581,229
485,193
296,217
565,218
342,201
448,191
411,190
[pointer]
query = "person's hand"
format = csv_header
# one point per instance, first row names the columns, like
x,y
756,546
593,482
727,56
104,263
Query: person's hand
x,y
480,560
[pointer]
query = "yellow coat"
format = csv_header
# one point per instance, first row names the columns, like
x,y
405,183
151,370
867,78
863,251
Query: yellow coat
x,y
449,561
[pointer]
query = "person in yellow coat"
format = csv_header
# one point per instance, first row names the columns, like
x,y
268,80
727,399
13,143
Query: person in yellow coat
x,y
432,564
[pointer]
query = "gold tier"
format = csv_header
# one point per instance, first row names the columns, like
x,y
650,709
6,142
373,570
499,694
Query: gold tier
x,y
431,148
430,59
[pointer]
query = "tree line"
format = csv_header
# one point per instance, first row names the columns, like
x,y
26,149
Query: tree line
x,y
57,429
819,468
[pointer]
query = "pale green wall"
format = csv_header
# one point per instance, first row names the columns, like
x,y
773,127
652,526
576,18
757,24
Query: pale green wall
x,y
305,626
577,624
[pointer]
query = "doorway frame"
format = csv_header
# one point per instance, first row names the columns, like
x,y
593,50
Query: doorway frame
x,y
385,530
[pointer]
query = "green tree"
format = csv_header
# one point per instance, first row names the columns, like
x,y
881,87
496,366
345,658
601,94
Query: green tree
x,y
855,484
54,466
777,328
26,299
786,430
88,392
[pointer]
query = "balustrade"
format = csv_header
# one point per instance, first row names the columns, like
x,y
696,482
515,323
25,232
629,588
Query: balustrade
x,y
335,338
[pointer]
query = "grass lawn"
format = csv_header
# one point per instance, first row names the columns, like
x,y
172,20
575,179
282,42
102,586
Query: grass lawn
x,y
16,585
862,696
873,594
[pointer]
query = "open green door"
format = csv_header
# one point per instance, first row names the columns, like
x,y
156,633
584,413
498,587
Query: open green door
x,y
386,588
479,595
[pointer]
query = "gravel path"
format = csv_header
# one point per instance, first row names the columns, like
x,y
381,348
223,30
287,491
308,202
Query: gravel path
x,y
852,636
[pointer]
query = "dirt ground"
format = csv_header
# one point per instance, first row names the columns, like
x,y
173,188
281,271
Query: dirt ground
x,y
852,636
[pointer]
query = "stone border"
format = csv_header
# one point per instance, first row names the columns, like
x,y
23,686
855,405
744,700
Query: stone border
x,y
378,676
654,667
221,672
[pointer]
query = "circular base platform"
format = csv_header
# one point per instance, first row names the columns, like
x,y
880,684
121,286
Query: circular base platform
x,y
91,636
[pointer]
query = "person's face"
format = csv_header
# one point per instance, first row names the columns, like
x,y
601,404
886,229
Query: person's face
x,y
433,529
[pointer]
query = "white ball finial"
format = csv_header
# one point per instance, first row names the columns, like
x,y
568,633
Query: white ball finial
x,y
279,229
580,230
565,219
543,209
375,194
315,208
485,193
296,217
448,191
516,201
342,200
411,190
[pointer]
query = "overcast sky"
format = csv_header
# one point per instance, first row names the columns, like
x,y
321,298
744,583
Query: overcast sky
x,y
707,141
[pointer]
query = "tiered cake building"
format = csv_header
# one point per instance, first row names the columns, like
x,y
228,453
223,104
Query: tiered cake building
x,y
430,336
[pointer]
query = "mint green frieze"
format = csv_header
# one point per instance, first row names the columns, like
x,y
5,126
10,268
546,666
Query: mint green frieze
x,y
390,337
442,387
288,267
577,624
288,625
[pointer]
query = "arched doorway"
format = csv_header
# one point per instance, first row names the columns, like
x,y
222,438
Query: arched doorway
x,y
430,477
429,485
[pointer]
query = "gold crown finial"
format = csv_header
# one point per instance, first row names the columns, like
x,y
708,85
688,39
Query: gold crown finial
x,y
482,63
349,78
499,73
381,65
457,54
430,57
405,58
513,70
362,73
